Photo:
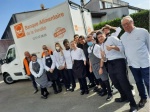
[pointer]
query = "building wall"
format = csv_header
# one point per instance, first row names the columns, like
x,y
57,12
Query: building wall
x,y
93,5
112,13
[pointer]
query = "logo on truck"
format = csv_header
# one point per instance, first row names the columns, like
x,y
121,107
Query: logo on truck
x,y
59,32
19,30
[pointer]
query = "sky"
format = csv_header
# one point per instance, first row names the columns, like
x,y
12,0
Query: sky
x,y
9,7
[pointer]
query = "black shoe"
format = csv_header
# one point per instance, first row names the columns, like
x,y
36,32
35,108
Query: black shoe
x,y
36,91
120,99
133,109
109,97
82,93
71,89
90,85
55,92
87,92
95,89
100,90
44,97
103,93
142,103
47,94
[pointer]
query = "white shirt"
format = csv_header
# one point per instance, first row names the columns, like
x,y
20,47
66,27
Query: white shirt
x,y
96,50
113,54
68,58
137,47
53,62
116,33
78,54
59,59
40,71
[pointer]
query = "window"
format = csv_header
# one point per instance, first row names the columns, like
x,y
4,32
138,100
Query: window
x,y
108,5
11,55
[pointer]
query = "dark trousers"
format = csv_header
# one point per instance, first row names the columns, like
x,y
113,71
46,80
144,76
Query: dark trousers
x,y
141,76
65,77
33,81
117,72
56,82
43,91
105,86
71,78
90,76
83,84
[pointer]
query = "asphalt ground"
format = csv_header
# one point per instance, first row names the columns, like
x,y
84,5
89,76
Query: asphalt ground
x,y
19,97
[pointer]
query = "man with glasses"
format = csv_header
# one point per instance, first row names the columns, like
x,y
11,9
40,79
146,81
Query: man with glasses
x,y
136,42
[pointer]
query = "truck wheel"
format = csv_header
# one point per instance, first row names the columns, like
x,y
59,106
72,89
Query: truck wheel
x,y
8,79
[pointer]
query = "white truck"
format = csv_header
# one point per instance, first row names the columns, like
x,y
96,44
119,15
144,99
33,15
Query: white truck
x,y
46,28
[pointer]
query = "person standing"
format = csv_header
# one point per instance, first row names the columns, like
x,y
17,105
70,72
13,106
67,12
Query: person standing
x,y
136,42
112,51
96,65
68,60
79,63
60,64
37,69
26,62
49,65
83,45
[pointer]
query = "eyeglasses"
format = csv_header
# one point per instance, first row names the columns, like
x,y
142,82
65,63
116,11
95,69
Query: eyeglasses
x,y
126,24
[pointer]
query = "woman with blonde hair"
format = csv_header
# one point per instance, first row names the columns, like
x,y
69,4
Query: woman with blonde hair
x,y
60,64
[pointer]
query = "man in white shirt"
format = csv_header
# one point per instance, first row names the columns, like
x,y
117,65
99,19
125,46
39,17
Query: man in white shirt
x,y
136,42
68,59
79,63
112,51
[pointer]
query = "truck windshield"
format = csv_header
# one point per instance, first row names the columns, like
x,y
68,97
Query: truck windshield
x,y
11,55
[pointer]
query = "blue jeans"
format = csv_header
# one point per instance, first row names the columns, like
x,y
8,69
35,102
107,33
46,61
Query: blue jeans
x,y
141,76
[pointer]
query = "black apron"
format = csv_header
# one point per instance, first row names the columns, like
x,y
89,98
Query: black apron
x,y
51,76
79,70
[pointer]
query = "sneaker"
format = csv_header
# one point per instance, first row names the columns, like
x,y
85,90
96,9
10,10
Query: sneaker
x,y
44,97
47,94
142,103
90,85
133,109
67,89
109,97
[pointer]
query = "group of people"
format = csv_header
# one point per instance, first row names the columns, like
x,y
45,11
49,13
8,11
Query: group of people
x,y
100,57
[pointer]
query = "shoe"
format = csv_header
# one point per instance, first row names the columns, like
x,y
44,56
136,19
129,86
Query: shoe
x,y
142,103
103,93
82,93
90,85
67,89
133,109
87,92
120,99
36,91
109,97
71,89
47,94
44,97
95,89
55,92
100,90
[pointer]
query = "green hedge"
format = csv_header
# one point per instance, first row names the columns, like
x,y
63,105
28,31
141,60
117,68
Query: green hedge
x,y
141,19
